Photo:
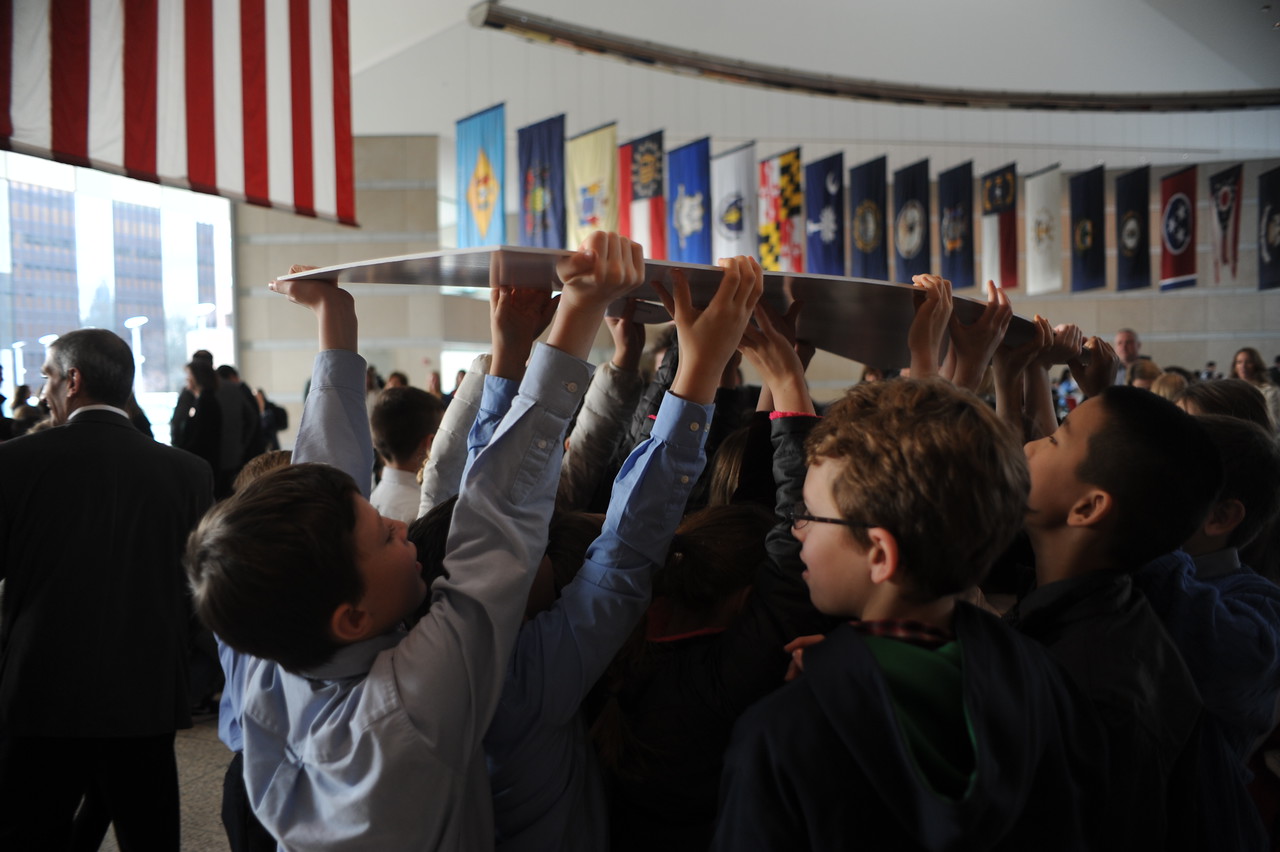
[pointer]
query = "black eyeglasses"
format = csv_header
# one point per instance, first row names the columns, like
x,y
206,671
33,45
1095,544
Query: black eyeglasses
x,y
800,519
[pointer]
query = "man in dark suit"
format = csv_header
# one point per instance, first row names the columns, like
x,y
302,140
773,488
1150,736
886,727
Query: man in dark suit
x,y
94,517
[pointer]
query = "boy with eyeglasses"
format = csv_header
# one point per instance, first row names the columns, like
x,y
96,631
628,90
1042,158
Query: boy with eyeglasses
x,y
922,722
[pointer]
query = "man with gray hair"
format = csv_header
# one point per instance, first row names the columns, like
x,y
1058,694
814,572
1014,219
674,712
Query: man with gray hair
x,y
1127,346
94,517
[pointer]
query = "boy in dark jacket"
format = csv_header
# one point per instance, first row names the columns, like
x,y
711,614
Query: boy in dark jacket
x,y
923,723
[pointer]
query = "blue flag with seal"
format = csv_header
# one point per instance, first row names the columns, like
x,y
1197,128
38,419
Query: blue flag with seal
x,y
911,221
541,152
1088,234
482,165
868,199
824,215
955,200
1133,242
689,188
1269,230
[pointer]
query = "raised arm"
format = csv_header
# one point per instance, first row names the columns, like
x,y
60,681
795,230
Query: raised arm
x,y
443,474
451,666
973,345
933,312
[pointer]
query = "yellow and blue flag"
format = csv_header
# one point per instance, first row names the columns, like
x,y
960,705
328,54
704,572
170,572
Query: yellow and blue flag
x,y
868,199
482,166
591,183
955,198
824,215
541,151
1133,253
689,222
911,221
1088,235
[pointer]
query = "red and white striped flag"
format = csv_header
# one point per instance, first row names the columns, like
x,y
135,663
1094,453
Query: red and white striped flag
x,y
248,99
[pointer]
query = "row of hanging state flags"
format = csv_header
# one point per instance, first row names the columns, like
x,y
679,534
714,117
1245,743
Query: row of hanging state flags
x,y
686,205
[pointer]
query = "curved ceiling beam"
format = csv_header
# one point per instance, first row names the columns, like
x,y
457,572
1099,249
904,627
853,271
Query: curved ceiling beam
x,y
551,31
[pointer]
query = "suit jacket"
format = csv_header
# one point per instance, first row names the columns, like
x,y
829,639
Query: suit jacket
x,y
94,517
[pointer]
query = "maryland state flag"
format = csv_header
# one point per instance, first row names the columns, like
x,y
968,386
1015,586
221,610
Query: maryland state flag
x,y
781,213
824,215
1133,252
482,163
542,183
911,221
689,225
1269,230
1000,227
591,183
733,216
1224,189
955,198
1088,237
641,208
1178,229
868,199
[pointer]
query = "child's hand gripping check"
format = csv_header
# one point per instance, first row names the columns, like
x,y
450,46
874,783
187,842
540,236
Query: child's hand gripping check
x,y
335,309
605,268
771,348
710,336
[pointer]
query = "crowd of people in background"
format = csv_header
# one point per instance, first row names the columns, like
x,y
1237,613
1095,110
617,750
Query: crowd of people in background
x,y
1001,597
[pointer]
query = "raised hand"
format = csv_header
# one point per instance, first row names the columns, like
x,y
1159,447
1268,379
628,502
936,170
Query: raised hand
x,y
517,315
334,307
628,338
607,267
710,336
972,346
1100,373
933,313
1068,341
770,347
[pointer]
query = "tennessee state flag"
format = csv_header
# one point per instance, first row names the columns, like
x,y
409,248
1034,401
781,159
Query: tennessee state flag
x,y
641,207
1178,230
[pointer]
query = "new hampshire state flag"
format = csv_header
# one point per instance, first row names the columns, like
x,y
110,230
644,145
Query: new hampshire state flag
x,y
482,165
689,222
868,199
542,183
824,216
733,211
591,183
911,221
781,213
955,198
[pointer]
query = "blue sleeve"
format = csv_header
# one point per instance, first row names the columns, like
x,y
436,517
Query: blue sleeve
x,y
495,402
562,652
335,420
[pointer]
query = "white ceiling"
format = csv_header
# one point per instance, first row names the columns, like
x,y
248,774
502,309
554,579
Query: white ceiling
x,y
419,66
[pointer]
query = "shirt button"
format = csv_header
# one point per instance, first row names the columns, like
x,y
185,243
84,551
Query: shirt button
x,y
684,480
694,427
542,445
571,387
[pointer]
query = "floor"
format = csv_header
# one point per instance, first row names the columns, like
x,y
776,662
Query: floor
x,y
202,760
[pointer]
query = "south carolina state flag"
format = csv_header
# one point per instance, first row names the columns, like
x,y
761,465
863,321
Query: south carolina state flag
x,y
641,209
824,215
482,166
1178,230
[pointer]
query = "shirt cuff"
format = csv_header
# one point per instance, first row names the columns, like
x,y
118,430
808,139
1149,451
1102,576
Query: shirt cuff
x,y
681,422
338,368
556,379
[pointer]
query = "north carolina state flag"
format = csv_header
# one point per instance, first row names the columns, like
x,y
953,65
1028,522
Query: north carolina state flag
x,y
641,206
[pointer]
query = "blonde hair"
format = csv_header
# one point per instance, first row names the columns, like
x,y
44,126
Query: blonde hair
x,y
1169,385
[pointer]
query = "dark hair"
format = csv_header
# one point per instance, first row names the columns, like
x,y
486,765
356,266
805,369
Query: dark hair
x,y
103,359
401,377
1250,472
401,419
1232,397
726,467
226,371
1159,466
716,552
203,373
1254,358
203,355
934,466
429,535
269,565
